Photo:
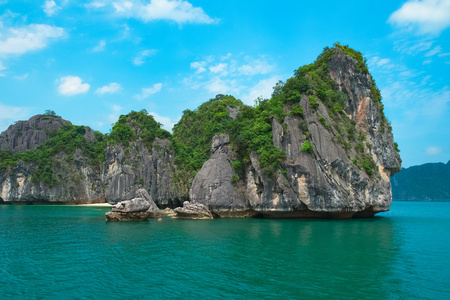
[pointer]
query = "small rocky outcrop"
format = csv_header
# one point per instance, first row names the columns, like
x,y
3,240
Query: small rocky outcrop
x,y
141,208
193,210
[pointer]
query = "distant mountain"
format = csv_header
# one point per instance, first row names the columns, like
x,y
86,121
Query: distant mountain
x,y
428,182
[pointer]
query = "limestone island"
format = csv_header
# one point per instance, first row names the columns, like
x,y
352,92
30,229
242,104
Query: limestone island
x,y
320,147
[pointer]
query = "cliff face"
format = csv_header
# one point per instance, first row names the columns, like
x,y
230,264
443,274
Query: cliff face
x,y
75,182
76,165
320,147
27,135
136,167
338,161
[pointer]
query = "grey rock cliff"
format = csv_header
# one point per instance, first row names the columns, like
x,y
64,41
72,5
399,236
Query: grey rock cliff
x,y
128,169
213,187
27,135
323,183
77,182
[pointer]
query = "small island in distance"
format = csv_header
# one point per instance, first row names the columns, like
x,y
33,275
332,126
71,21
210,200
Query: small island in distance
x,y
320,147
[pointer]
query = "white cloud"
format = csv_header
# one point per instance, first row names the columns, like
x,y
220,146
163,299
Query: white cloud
x,y
434,51
21,77
434,150
147,92
3,2
412,47
179,11
72,85
114,115
100,47
256,67
140,59
10,114
264,89
95,4
232,74
428,61
111,88
222,86
28,38
219,68
123,6
199,66
50,7
165,121
383,61
427,16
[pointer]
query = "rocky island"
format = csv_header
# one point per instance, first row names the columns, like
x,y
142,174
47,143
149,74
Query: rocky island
x,y
320,147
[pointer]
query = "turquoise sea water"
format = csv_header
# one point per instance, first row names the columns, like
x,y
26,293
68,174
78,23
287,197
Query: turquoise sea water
x,y
66,252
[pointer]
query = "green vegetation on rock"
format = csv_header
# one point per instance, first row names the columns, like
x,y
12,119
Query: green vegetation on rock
x,y
251,130
137,125
66,141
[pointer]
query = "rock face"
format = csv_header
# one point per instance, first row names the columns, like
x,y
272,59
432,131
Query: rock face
x,y
141,208
213,185
192,210
125,170
27,135
323,182
140,167
338,146
77,182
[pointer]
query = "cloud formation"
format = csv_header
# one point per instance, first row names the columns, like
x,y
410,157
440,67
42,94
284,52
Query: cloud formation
x,y
434,150
140,58
72,85
263,89
425,17
50,7
179,11
100,47
111,88
28,38
95,4
165,121
243,76
147,92
21,77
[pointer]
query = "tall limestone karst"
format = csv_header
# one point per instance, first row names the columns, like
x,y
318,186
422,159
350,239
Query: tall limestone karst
x,y
321,146
77,165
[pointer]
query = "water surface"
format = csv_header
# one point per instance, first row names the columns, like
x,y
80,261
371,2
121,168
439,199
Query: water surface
x,y
54,252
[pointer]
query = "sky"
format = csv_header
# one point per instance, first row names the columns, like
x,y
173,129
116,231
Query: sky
x,y
91,61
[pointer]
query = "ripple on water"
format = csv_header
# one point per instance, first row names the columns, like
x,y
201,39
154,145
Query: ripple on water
x,y
71,252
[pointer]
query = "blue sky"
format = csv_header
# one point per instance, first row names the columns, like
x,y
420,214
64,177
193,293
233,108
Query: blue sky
x,y
91,61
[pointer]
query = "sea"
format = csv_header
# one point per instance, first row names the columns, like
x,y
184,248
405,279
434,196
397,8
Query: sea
x,y
71,252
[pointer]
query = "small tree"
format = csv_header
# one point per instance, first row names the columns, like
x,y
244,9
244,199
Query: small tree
x,y
49,112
